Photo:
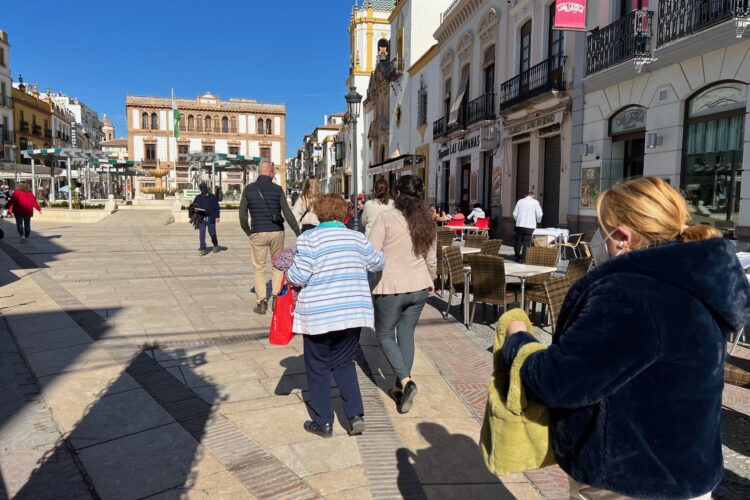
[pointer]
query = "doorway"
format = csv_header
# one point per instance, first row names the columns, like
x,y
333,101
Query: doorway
x,y
551,198
446,186
523,161
465,187
635,150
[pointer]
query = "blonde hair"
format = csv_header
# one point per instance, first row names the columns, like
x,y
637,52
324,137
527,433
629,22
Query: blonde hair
x,y
654,210
310,192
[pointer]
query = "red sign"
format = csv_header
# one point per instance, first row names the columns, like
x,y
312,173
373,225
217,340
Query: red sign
x,y
570,15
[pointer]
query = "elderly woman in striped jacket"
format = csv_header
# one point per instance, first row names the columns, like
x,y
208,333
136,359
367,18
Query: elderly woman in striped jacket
x,y
331,266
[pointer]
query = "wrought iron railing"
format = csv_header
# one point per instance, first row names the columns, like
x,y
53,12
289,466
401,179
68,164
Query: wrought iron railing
x,y
6,136
624,39
48,133
37,130
680,18
482,109
6,101
24,126
461,121
545,77
439,128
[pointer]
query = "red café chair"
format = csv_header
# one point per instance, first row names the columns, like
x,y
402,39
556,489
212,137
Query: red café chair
x,y
455,223
482,226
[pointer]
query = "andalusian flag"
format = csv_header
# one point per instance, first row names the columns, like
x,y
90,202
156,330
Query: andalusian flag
x,y
176,115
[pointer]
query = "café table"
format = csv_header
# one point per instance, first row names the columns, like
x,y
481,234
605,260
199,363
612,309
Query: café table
x,y
554,234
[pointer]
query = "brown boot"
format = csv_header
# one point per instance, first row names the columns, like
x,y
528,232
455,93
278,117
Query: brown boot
x,y
262,307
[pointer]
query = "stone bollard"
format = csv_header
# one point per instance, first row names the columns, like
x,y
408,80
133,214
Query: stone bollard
x,y
111,205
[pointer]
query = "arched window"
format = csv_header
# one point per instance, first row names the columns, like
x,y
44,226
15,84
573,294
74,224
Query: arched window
x,y
208,124
260,126
225,124
191,122
269,127
233,124
144,120
154,121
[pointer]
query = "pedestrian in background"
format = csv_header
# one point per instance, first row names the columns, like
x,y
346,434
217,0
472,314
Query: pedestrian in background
x,y
331,266
527,214
4,200
207,207
381,201
634,375
407,237
22,205
476,213
304,208
265,202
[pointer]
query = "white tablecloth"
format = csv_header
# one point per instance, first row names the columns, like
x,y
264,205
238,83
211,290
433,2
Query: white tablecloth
x,y
552,233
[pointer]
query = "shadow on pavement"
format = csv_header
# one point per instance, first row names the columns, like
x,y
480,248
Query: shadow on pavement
x,y
735,428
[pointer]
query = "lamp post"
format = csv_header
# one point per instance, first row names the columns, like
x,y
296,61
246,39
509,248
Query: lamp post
x,y
353,103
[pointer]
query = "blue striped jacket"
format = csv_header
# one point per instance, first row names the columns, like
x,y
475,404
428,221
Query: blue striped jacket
x,y
331,265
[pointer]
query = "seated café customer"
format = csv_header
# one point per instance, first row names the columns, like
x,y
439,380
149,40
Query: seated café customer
x,y
475,214
331,266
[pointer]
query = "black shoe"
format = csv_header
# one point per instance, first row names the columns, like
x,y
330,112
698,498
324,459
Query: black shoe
x,y
273,303
356,425
262,307
325,430
407,400
216,249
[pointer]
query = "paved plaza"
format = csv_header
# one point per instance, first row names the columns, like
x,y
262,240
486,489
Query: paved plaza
x,y
134,368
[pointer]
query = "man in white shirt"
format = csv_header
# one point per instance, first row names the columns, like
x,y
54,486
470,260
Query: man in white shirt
x,y
477,213
528,213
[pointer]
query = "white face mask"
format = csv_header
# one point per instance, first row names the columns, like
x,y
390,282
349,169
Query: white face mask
x,y
599,248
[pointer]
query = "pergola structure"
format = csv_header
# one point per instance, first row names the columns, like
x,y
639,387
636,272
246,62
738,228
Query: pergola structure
x,y
71,156
119,168
220,162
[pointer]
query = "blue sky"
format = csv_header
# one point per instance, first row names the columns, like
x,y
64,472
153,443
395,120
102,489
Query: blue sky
x,y
281,51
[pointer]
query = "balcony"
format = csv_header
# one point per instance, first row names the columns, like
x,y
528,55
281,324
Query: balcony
x,y
545,77
6,101
440,128
37,130
461,122
24,127
48,133
6,136
680,18
624,39
482,109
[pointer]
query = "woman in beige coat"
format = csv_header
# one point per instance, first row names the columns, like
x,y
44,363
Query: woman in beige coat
x,y
304,209
406,235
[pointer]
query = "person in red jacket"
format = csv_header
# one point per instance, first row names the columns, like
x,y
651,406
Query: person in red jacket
x,y
22,204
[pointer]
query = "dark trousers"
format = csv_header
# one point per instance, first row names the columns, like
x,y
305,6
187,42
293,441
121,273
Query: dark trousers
x,y
210,223
332,354
523,241
23,225
396,318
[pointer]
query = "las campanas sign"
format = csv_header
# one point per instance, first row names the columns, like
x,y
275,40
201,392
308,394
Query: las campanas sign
x,y
459,146
536,123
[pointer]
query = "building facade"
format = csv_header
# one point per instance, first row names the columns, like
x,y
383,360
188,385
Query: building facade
x,y
86,130
108,129
208,124
7,138
665,93
62,121
33,117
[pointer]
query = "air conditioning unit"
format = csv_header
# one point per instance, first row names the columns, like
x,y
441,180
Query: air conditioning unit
x,y
489,138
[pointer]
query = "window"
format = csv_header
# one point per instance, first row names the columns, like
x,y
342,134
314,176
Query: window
x,y
260,126
2,91
182,151
233,125
234,150
447,98
269,127
150,152
225,124
525,48
422,102
2,57
382,154
191,122
154,122
265,154
489,70
208,148
208,124
555,42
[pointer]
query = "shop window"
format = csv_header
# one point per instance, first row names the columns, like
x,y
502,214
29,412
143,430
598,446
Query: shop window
x,y
713,153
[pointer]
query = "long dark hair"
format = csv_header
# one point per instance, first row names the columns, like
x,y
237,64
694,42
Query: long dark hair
x,y
409,202
381,191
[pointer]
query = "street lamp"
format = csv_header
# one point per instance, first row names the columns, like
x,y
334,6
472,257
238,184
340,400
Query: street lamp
x,y
353,103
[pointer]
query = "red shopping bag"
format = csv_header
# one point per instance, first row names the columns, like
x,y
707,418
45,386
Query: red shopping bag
x,y
283,317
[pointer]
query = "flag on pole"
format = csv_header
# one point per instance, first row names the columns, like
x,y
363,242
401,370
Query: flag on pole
x,y
176,115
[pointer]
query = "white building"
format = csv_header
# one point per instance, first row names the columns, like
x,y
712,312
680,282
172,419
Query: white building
x,y
6,101
684,117
87,128
319,151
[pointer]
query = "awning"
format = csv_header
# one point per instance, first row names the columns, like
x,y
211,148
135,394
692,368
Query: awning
x,y
74,154
453,117
397,163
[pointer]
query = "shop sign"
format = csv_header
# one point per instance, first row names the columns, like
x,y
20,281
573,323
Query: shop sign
x,y
570,15
628,119
459,146
536,123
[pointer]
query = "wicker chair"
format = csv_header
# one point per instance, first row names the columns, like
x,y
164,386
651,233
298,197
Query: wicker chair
x,y
555,291
457,279
444,239
488,282
577,268
475,240
538,256
491,247
574,240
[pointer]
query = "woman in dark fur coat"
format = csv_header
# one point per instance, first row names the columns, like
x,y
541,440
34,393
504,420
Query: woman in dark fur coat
x,y
634,375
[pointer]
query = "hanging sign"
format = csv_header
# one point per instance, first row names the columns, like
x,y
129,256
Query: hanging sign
x,y
570,15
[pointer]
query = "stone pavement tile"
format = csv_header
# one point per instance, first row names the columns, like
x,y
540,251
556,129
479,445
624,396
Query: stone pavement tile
x,y
118,415
35,474
288,384
362,493
232,392
445,451
53,339
222,372
289,457
30,324
142,464
326,455
481,492
280,361
435,399
66,359
273,401
188,356
274,426
338,480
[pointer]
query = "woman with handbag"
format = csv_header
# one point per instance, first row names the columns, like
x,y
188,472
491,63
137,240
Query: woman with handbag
x,y
634,376
304,207
407,237
331,266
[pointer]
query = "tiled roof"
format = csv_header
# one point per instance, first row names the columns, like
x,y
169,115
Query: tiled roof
x,y
386,5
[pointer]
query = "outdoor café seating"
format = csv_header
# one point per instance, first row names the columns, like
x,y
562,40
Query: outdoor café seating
x,y
475,240
488,284
456,277
491,247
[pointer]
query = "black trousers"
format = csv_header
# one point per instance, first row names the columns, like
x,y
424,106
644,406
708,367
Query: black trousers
x,y
332,354
523,241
